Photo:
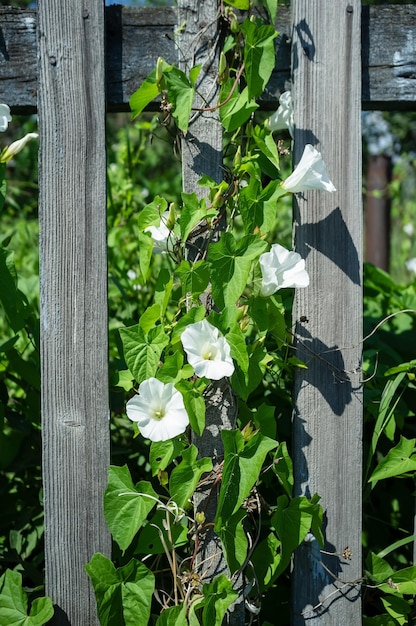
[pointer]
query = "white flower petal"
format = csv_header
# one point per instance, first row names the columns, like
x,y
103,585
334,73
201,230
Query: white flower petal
x,y
280,269
163,238
15,147
283,117
207,350
411,265
309,174
159,410
5,117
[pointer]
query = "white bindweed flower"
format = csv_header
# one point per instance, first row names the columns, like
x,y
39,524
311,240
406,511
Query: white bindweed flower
x,y
5,117
159,410
282,268
207,350
411,265
163,238
283,117
408,229
310,173
15,147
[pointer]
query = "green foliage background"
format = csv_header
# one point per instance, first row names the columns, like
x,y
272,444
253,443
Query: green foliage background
x,y
142,164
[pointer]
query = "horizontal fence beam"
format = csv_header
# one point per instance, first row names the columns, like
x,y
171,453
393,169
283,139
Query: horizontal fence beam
x,y
137,36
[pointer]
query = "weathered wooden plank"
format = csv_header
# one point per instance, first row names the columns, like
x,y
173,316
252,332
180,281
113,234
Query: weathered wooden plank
x,y
72,203
199,43
327,421
137,36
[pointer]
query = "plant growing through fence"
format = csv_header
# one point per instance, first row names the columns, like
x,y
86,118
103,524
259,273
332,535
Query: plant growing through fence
x,y
180,346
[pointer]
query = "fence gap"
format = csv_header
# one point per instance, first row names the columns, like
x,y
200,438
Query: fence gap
x,y
327,316
72,203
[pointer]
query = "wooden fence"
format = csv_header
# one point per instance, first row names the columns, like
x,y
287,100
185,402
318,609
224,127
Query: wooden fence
x,y
71,61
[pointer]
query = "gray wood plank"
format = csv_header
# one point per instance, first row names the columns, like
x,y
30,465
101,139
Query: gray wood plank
x,y
137,36
75,408
202,154
327,421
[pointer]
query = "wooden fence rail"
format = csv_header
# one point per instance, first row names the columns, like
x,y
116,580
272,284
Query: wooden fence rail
x,y
57,61
136,37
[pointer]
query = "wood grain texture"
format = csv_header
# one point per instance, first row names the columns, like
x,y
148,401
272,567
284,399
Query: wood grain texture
x,y
327,421
137,36
199,43
75,408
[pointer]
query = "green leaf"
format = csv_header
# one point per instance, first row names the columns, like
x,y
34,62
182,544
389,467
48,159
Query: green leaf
x,y
242,464
162,453
144,95
163,289
149,539
171,370
14,303
398,608
401,582
293,520
265,560
238,108
283,468
194,404
14,604
231,262
378,569
245,384
195,314
271,6
142,351
259,56
126,506
399,460
194,278
242,5
180,94
219,595
266,144
186,476
3,184
234,541
385,414
150,214
146,250
123,595
149,318
227,323
173,616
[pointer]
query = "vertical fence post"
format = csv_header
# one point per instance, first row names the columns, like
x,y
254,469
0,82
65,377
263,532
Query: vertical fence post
x,y
377,211
75,413
199,43
328,314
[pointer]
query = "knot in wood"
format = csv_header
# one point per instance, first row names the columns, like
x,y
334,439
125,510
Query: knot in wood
x,y
350,8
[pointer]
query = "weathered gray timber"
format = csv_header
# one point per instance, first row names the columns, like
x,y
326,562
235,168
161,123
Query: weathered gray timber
x,y
74,351
199,43
327,422
137,36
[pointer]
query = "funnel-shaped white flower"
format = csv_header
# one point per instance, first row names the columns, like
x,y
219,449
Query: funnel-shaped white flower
x,y
15,147
310,173
283,117
411,265
282,268
163,238
207,350
5,117
158,410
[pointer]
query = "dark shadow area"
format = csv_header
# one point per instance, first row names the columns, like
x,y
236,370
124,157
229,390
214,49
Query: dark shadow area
x,y
306,42
332,238
329,373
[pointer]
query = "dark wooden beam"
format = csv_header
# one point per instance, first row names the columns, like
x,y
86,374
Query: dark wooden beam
x,y
137,36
